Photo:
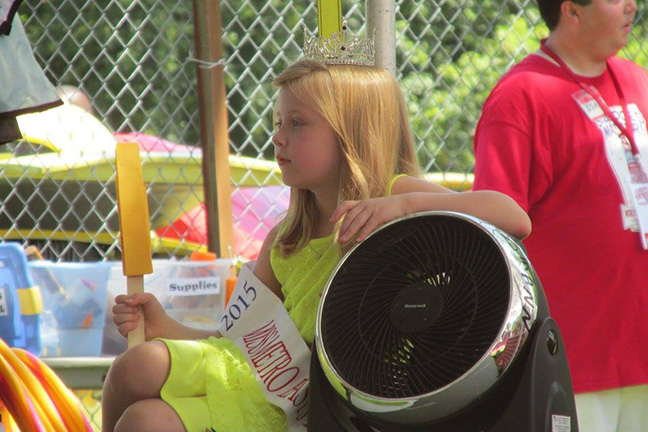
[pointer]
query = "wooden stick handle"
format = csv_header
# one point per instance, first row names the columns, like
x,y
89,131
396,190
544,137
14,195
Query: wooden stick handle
x,y
135,284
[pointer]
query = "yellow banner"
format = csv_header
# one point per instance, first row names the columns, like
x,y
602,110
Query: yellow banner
x,y
329,17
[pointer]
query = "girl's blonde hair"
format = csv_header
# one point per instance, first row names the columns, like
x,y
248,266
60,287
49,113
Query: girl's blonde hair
x,y
366,109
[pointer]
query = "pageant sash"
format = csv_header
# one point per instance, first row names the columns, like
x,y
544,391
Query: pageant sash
x,y
257,322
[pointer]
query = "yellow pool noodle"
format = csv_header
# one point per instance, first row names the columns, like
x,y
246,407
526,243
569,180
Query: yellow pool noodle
x,y
132,205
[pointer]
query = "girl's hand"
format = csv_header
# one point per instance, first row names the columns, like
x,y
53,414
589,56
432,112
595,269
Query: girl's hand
x,y
126,318
361,218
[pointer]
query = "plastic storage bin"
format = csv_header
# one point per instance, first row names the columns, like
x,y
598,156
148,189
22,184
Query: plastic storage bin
x,y
74,306
20,301
192,292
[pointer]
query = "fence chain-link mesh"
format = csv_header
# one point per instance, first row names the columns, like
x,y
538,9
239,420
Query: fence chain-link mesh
x,y
135,61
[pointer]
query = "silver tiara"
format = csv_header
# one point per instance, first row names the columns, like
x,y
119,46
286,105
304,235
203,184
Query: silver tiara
x,y
341,48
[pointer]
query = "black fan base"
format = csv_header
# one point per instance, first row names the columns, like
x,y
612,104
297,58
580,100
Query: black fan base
x,y
536,388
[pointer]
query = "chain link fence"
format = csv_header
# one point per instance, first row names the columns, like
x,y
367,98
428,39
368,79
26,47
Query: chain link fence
x,y
135,62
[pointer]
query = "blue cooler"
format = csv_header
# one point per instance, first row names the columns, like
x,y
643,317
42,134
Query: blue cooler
x,y
20,301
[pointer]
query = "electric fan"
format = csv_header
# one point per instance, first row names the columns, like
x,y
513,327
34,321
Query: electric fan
x,y
437,322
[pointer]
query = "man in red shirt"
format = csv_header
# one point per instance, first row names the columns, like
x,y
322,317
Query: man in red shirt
x,y
564,134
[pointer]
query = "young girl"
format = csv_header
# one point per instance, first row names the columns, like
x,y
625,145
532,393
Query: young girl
x,y
344,147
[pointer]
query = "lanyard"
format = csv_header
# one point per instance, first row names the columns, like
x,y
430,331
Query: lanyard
x,y
628,131
638,185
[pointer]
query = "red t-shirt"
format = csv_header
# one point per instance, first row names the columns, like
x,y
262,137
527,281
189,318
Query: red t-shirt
x,y
544,142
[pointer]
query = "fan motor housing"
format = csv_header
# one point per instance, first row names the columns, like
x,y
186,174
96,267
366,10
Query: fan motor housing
x,y
424,316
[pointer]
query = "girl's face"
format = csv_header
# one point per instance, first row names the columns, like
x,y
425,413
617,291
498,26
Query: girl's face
x,y
306,147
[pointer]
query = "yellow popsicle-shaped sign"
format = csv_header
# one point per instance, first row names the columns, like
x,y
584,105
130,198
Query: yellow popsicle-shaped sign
x,y
134,225
132,205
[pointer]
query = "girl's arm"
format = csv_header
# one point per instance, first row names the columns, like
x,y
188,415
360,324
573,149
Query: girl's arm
x,y
413,195
263,268
158,322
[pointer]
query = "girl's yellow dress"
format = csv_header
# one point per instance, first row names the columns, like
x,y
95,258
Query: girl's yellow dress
x,y
211,384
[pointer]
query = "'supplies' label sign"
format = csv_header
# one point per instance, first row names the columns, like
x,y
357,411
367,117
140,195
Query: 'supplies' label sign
x,y
193,286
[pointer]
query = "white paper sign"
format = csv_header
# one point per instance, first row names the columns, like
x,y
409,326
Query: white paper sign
x,y
560,423
640,192
3,302
193,286
257,322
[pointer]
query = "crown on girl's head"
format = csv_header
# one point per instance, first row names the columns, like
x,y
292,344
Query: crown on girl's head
x,y
341,48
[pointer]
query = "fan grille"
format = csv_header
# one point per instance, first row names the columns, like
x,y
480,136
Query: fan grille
x,y
433,258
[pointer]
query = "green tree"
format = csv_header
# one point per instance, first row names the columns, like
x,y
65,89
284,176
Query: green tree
x,y
445,106
134,58
131,58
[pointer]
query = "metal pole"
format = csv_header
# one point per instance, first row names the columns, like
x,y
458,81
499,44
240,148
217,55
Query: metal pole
x,y
381,23
213,126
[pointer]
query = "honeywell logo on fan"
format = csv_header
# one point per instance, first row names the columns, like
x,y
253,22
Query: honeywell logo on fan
x,y
415,306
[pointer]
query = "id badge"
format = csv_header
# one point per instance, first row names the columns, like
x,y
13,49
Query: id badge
x,y
640,195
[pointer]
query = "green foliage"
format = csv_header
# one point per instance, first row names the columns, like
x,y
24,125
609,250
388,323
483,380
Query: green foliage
x,y
636,48
131,58
134,59
445,106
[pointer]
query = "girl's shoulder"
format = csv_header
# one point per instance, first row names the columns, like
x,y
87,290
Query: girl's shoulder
x,y
263,269
271,238
276,230
390,188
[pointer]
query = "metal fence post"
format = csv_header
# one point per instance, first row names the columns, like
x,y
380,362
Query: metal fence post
x,y
381,24
213,124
